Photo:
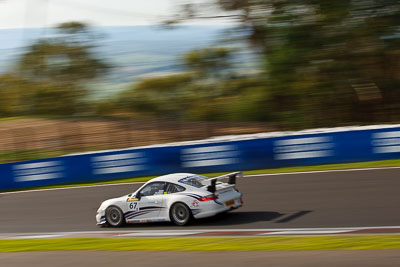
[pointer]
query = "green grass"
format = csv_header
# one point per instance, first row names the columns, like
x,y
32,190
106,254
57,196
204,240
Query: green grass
x,y
13,118
357,165
8,156
355,242
341,166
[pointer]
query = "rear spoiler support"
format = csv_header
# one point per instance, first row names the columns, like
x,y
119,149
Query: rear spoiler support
x,y
232,180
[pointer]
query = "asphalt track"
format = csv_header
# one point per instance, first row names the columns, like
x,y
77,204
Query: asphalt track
x,y
321,199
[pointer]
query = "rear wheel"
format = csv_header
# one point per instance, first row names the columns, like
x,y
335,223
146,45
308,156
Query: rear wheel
x,y
180,214
114,216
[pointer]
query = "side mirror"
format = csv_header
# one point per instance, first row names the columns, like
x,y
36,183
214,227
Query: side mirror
x,y
138,195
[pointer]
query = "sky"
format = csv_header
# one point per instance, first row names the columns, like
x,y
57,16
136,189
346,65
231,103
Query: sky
x,y
47,13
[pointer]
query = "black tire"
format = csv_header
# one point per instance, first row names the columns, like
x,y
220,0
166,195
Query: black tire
x,y
180,214
114,216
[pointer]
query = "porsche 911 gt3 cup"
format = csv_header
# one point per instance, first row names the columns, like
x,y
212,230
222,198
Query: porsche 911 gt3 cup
x,y
177,197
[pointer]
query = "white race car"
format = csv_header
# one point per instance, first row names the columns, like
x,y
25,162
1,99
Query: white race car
x,y
177,197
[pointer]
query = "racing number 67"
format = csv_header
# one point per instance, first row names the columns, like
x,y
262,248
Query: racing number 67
x,y
133,205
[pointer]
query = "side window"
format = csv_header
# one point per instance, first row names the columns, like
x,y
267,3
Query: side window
x,y
174,188
156,188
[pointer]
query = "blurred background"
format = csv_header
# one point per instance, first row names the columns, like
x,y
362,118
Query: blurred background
x,y
82,76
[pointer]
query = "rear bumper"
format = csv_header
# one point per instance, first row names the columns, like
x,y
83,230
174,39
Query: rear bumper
x,y
216,208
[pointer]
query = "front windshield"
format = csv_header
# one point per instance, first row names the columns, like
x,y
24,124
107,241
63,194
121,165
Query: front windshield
x,y
195,180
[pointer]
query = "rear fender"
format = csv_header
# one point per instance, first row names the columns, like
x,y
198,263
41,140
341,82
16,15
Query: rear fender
x,y
189,201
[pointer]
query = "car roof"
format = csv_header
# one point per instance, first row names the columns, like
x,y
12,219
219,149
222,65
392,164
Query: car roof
x,y
172,178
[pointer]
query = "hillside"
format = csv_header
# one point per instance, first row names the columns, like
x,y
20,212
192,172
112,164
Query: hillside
x,y
133,51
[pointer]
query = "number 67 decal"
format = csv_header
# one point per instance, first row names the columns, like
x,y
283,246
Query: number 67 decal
x,y
133,205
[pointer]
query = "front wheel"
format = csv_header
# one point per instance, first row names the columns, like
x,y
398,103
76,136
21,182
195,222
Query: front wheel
x,y
180,214
114,216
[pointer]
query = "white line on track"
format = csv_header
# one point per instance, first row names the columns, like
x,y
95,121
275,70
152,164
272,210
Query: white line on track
x,y
160,233
116,231
34,236
248,176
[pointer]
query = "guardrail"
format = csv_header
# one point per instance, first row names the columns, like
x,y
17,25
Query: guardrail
x,y
261,151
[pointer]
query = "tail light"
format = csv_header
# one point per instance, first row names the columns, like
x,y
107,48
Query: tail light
x,y
208,198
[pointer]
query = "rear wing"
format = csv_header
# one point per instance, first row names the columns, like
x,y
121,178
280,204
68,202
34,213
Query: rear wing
x,y
232,180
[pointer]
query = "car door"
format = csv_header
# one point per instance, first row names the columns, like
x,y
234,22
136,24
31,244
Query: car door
x,y
171,190
147,203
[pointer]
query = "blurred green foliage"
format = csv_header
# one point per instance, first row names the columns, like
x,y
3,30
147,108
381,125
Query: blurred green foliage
x,y
206,91
326,63
323,63
208,61
51,74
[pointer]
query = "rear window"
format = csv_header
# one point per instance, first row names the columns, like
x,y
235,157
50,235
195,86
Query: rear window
x,y
174,188
196,181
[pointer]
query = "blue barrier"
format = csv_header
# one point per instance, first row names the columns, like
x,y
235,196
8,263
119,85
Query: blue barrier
x,y
295,149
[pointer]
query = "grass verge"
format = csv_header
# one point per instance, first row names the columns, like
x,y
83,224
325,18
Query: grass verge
x,y
348,242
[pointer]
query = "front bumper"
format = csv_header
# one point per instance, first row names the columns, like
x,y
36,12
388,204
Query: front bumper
x,y
100,218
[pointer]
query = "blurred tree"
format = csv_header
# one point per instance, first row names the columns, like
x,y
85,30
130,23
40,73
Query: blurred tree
x,y
328,62
51,99
52,61
176,95
22,97
210,61
60,66
159,95
14,99
73,27
67,58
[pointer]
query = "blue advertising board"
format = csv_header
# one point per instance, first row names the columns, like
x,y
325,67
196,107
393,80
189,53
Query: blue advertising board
x,y
295,149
